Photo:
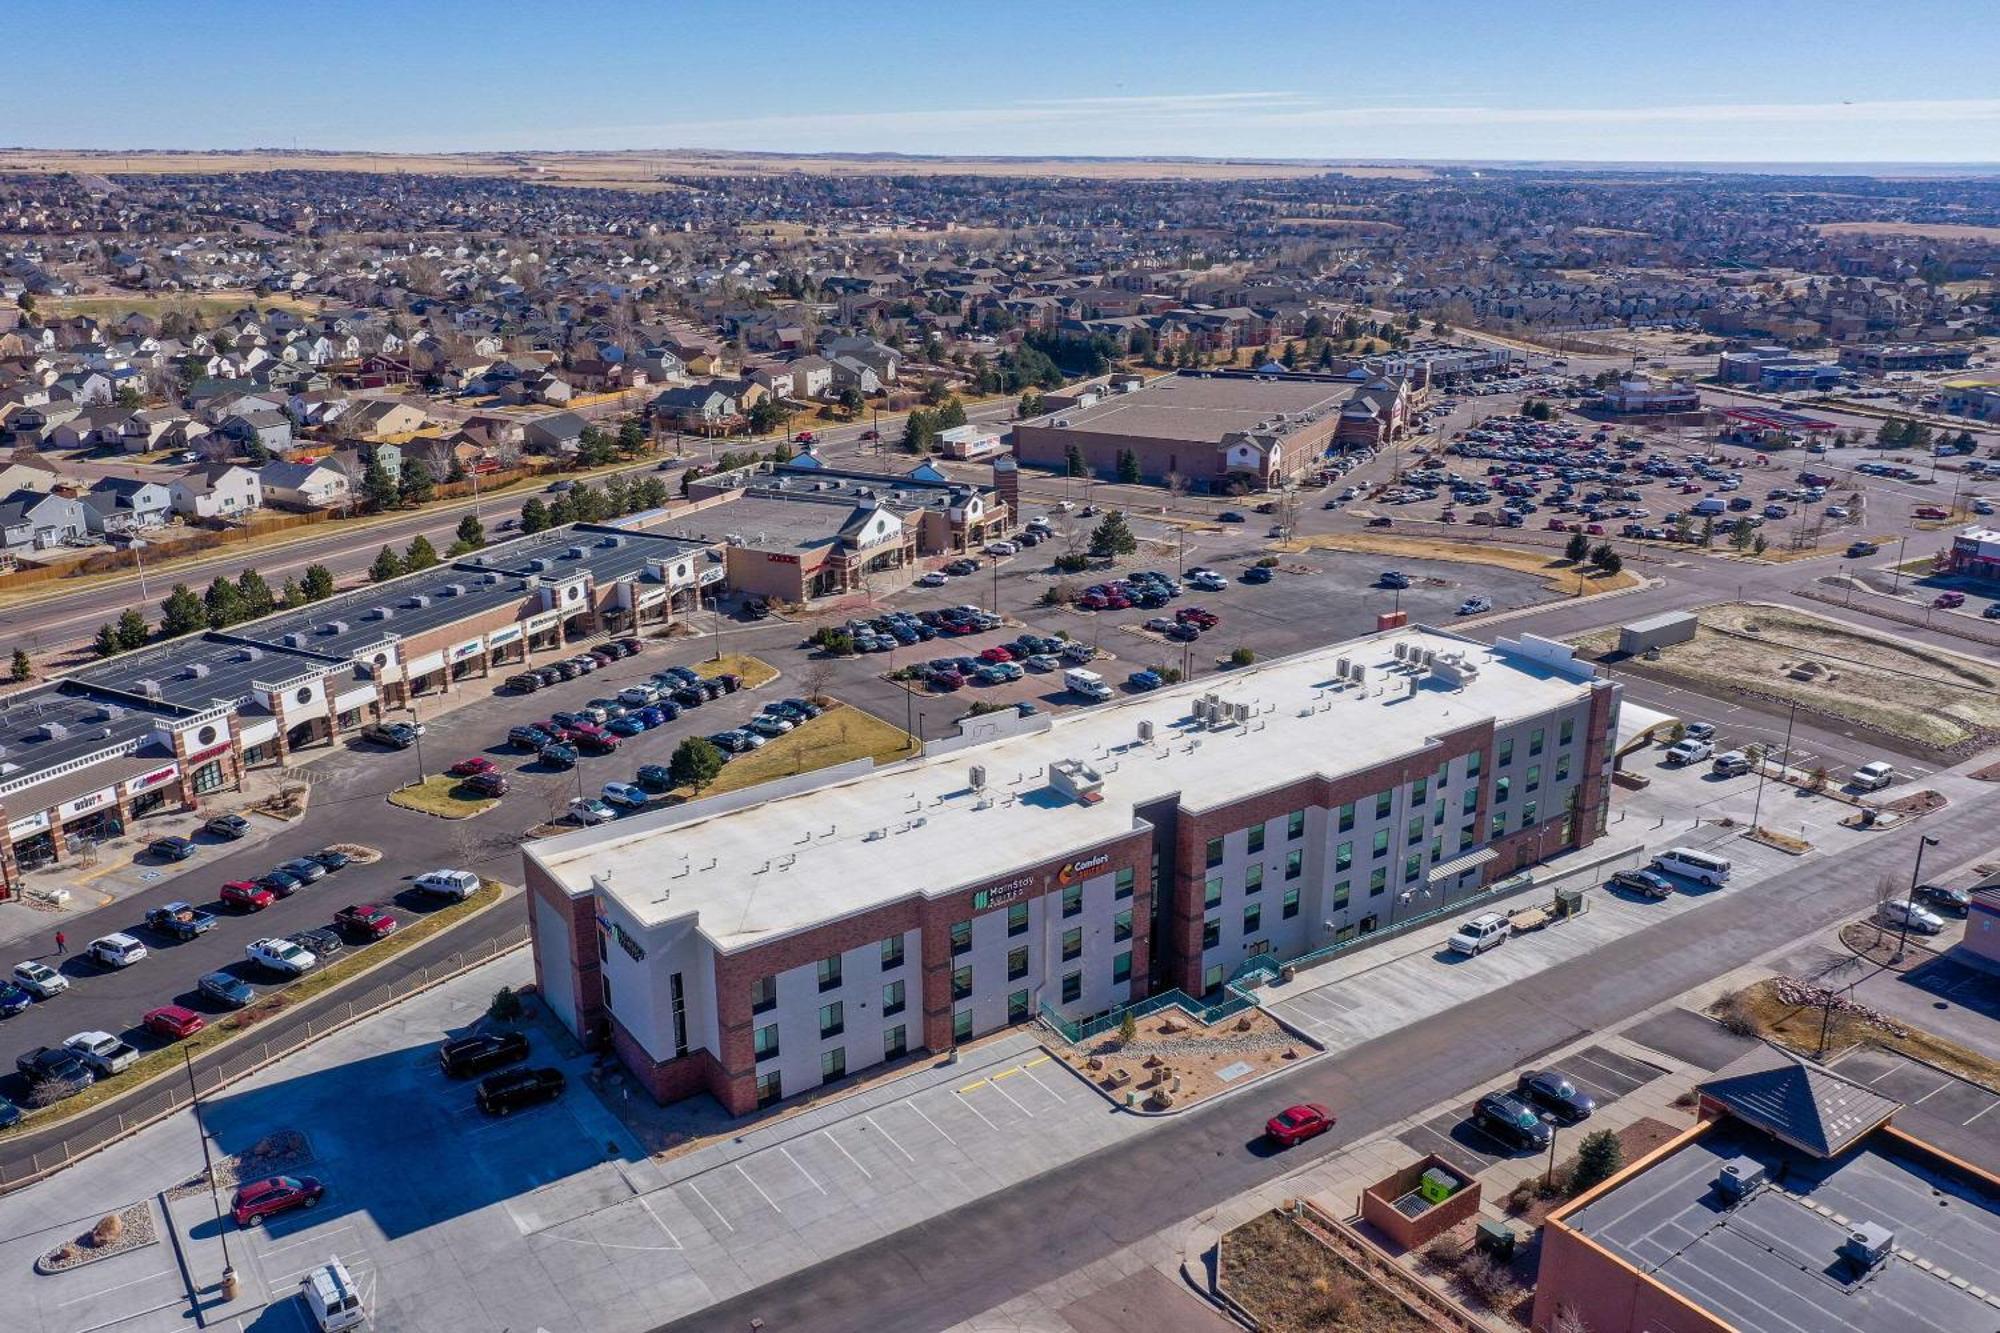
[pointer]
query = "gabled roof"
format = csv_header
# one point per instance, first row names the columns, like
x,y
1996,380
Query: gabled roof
x,y
1813,1109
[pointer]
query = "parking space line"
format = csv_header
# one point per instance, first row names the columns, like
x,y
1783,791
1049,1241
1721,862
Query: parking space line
x,y
309,1240
106,1291
975,1110
1983,1110
932,1123
759,1188
1043,1086
646,1203
802,1171
1011,1102
1932,1093
711,1207
848,1155
887,1135
973,1086
136,1314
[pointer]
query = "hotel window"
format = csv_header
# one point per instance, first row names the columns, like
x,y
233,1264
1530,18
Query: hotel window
x,y
832,1019
961,1025
1437,812
961,984
1469,802
1468,833
1567,732
833,1064
829,973
1378,880
1346,817
1255,839
1291,905
1295,864
1211,932
1384,803
1380,847
763,995
1498,826
1072,900
1017,919
1211,891
604,988
680,1014
1121,927
892,999
1072,987
1340,894
1534,781
1420,791
1412,867
764,1042
892,953
1472,764
770,1089
1122,886
1253,917
1506,752
1295,825
1211,979
1121,968
894,1044
1214,852
1502,789
1017,1007
1343,856
1562,767
1535,741
1527,814
1253,877
961,938
1017,963
1413,832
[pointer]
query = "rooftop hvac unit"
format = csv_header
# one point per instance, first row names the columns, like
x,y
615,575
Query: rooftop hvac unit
x,y
574,553
1740,1178
334,627
977,777
1077,780
1146,732
108,713
1867,1244
1340,669
194,671
1204,710
613,541
1402,651
1359,674
55,731
1239,713
1430,658
249,654
540,564
491,577
381,613
295,640
453,590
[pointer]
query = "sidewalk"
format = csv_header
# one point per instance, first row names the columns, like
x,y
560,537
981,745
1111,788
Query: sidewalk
x,y
121,867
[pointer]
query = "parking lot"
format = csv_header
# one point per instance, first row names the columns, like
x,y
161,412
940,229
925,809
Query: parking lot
x,y
1947,1112
1604,1074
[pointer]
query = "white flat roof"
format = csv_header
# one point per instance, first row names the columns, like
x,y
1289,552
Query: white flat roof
x,y
799,860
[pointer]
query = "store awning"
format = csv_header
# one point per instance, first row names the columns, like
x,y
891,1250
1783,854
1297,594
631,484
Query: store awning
x,y
1458,865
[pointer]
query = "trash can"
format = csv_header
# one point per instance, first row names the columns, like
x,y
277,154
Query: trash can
x,y
1437,1185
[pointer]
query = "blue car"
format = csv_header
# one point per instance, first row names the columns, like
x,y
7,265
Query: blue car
x,y
655,716
13,999
1144,680
629,725
226,988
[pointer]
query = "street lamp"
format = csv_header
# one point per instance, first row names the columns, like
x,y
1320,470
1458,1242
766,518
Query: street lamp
x,y
208,1169
1910,900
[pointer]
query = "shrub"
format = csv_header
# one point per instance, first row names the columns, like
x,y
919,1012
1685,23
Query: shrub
x,y
1597,1159
107,1231
1241,657
1169,675
1733,1013
1054,595
1491,1284
506,1006
1072,563
1128,1029
1446,1252
1267,562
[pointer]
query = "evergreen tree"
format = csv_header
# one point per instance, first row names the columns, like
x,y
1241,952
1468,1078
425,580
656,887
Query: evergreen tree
x,y
132,629
1128,467
294,595
106,642
379,489
919,431
1032,404
182,613
1072,462
23,668
695,763
652,493
417,485
255,594
1113,536
1598,1158
534,515
951,414
223,604
319,583
1576,548
421,554
387,566
471,533
1607,559
631,438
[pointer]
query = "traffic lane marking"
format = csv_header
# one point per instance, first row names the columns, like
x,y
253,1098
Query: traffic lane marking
x,y
106,1291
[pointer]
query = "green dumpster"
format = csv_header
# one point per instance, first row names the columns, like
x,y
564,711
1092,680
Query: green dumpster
x,y
1437,1185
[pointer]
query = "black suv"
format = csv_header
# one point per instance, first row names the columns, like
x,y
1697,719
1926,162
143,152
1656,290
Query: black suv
x,y
56,1068
1511,1121
503,1094
1551,1091
466,1056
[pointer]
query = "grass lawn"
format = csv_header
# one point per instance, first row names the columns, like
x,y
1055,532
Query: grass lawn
x,y
754,671
1292,1283
442,795
838,735
167,1060
1560,574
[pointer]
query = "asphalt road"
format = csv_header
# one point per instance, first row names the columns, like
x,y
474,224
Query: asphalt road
x,y
978,1256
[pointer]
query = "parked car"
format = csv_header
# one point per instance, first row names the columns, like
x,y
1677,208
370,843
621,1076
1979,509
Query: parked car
x,y
231,827
40,980
506,1093
1731,764
1511,1121
1393,578
1474,606
332,859
181,921
280,955
261,1200
54,1071
174,1021
459,884
471,767
13,999
936,578
1145,680
654,779
1647,882
1549,1090
1296,1124
625,794
283,883
226,989
1689,752
462,1057
395,735
322,942
487,784
1478,935
529,738
105,1054
1872,777
370,920
172,848
1953,902
1920,920
588,810
116,950
250,897
305,869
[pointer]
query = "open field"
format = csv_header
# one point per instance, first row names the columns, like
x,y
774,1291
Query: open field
x,y
1903,689
1934,231
1293,1284
1562,576
642,170
215,305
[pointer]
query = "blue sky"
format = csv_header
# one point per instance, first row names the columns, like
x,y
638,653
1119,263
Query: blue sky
x,y
1682,80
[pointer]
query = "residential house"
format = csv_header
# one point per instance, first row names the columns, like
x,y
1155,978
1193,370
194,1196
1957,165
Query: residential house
x,y
126,504
304,485
695,407
218,490
271,429
32,520
558,432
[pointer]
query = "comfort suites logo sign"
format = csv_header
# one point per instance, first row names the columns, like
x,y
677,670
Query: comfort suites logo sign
x,y
1076,870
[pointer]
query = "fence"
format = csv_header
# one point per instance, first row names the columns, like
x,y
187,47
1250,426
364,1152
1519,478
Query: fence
x,y
245,1059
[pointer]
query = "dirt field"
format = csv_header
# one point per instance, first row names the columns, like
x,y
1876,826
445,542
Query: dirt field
x,y
1936,231
1294,1284
1561,575
1934,698
642,170
210,306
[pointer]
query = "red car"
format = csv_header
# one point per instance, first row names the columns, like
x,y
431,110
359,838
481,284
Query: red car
x,y
1298,1123
871,434
369,919
996,654
249,896
471,768
278,1194
170,1020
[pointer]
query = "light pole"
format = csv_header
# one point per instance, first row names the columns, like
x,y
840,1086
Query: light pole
x,y
1785,764
1910,899
208,1169
1896,575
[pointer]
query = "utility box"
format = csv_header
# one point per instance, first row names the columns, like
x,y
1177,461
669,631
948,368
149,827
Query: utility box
x,y
1661,631
1496,1240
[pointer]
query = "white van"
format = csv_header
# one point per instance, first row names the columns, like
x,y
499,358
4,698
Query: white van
x,y
1688,863
1479,934
332,1300
1086,683
116,950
